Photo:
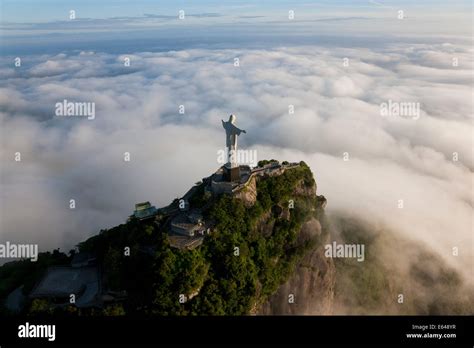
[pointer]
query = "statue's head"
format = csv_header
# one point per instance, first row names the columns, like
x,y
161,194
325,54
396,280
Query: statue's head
x,y
232,118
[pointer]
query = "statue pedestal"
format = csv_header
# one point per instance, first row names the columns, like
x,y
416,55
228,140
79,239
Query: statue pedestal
x,y
231,173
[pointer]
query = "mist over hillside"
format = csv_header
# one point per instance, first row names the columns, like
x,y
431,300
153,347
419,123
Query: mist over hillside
x,y
395,265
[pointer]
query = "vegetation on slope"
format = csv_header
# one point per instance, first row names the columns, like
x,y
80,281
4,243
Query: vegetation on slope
x,y
235,269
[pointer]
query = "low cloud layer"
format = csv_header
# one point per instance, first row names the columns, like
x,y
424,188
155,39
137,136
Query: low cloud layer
x,y
337,111
398,276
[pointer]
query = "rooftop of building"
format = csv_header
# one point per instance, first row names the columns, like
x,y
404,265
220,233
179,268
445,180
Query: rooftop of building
x,y
142,205
62,281
144,210
184,242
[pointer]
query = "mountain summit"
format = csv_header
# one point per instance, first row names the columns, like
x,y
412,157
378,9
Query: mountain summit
x,y
254,248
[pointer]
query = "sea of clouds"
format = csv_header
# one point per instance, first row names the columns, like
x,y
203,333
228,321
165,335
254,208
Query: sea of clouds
x,y
337,111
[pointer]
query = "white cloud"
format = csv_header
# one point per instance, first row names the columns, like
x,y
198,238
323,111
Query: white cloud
x,y
337,110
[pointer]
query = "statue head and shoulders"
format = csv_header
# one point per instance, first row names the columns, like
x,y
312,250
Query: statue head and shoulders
x,y
230,126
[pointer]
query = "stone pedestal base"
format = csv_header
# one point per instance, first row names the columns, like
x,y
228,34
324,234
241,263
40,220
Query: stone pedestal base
x,y
232,174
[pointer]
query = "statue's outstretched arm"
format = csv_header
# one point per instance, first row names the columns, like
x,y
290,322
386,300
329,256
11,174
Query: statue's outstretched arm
x,y
237,130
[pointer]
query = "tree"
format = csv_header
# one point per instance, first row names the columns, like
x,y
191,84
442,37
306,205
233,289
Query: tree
x,y
39,306
114,310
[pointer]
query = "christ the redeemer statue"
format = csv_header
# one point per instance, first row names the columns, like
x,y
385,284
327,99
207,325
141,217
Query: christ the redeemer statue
x,y
231,134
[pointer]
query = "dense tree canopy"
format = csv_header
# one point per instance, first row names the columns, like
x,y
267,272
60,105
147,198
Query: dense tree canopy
x,y
236,269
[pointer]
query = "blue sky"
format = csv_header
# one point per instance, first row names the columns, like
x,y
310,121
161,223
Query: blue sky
x,y
31,26
50,10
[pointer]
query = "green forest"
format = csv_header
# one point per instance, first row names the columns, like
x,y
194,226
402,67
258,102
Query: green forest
x,y
234,271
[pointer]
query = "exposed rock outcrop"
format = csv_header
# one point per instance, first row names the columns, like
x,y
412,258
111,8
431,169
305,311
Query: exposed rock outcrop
x,y
303,189
249,193
310,289
312,282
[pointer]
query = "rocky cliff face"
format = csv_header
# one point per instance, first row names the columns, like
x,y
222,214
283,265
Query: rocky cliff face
x,y
249,194
312,286
310,289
